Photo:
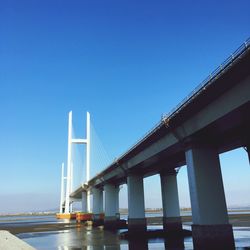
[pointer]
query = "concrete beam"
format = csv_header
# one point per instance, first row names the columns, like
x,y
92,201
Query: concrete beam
x,y
111,205
228,101
227,94
170,202
97,203
84,202
136,205
248,149
209,212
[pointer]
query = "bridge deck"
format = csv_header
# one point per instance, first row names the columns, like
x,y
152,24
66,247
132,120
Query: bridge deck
x,y
217,109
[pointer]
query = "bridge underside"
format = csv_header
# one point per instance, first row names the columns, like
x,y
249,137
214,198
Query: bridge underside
x,y
227,133
218,116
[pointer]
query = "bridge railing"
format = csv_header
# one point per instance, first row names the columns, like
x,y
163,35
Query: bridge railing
x,y
200,88
208,80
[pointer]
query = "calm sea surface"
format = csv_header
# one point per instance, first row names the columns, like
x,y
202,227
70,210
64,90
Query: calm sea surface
x,y
99,239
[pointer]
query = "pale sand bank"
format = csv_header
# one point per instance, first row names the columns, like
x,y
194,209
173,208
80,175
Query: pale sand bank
x,y
10,242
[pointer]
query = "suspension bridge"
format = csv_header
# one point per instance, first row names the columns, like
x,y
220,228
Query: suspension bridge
x,y
213,119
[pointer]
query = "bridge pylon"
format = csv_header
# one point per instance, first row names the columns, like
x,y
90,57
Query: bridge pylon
x,y
69,186
63,178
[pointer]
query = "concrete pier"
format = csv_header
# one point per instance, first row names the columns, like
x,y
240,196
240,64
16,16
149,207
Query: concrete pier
x,y
111,206
84,202
136,205
170,202
210,227
97,204
248,150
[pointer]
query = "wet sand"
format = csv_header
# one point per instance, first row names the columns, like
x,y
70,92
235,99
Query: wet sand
x,y
237,220
32,228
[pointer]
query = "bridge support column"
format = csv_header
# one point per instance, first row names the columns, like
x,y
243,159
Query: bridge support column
x,y
136,205
248,150
170,202
97,204
84,202
111,206
210,227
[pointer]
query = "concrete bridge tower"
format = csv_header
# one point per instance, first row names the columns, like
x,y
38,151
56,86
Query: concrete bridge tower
x,y
85,196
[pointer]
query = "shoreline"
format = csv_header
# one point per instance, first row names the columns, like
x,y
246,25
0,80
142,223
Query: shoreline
x,y
237,220
28,214
122,211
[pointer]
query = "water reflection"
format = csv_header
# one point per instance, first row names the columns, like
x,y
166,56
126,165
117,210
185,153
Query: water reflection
x,y
136,244
63,248
96,239
83,248
99,239
174,243
167,243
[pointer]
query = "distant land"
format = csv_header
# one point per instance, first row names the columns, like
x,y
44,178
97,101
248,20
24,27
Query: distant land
x,y
122,211
28,214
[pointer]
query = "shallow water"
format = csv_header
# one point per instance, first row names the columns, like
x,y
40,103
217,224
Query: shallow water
x,y
27,218
99,239
95,238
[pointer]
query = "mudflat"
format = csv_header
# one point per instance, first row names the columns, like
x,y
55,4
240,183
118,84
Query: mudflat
x,y
237,220
31,228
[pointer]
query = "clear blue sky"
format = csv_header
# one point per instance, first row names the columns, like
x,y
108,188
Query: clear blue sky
x,y
127,62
